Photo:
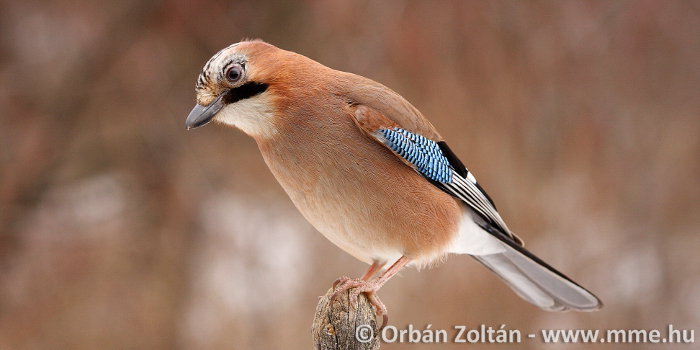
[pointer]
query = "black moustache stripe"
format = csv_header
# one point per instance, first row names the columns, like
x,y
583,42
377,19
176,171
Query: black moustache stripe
x,y
244,91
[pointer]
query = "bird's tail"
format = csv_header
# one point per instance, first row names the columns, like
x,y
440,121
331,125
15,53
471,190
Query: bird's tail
x,y
537,282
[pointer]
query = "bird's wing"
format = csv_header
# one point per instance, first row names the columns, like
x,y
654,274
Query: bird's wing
x,y
362,91
531,278
434,161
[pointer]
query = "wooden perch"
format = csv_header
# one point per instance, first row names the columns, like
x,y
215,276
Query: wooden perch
x,y
341,326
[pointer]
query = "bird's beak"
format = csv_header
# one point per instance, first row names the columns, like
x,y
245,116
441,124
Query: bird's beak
x,y
201,115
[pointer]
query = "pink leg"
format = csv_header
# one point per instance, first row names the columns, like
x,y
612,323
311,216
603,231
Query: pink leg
x,y
376,266
370,288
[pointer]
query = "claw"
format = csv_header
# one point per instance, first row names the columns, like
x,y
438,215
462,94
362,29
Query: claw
x,y
340,280
370,288
345,283
360,286
381,309
339,286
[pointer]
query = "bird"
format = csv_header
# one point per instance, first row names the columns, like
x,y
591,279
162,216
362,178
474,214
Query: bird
x,y
369,172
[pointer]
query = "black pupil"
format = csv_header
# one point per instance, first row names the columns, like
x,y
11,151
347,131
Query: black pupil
x,y
234,74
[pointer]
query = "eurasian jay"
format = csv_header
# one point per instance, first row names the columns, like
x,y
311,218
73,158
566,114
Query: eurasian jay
x,y
369,172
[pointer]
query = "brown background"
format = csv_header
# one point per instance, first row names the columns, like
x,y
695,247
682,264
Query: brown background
x,y
120,230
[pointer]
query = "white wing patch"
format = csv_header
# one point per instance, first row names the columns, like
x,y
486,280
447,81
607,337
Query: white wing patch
x,y
466,190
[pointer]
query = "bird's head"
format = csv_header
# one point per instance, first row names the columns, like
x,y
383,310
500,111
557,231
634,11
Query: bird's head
x,y
234,88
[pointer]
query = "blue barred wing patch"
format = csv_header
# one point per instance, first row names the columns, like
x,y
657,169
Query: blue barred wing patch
x,y
423,153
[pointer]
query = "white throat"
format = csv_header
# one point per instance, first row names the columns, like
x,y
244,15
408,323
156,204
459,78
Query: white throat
x,y
254,116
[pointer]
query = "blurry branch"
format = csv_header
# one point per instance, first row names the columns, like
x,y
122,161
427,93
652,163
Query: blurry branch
x,y
344,326
49,134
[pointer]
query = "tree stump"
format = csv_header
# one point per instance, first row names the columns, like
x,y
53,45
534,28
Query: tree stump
x,y
342,326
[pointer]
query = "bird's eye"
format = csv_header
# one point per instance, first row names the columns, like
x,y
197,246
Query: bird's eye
x,y
234,74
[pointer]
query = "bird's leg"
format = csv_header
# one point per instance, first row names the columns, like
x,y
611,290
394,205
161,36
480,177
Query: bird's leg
x,y
376,266
363,285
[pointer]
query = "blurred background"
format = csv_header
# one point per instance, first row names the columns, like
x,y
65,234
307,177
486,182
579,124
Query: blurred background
x,y
119,229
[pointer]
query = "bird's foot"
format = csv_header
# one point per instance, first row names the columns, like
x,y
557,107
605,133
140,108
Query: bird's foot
x,y
358,286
